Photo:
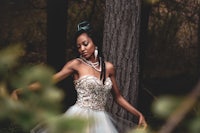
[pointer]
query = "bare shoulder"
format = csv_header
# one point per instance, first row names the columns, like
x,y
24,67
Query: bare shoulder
x,y
109,65
110,68
73,63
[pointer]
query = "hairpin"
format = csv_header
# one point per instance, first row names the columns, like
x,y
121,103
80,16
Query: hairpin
x,y
83,26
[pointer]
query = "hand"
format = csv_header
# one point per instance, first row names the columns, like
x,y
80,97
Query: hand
x,y
34,87
142,122
15,93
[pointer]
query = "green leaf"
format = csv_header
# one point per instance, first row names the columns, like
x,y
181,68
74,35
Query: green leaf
x,y
165,105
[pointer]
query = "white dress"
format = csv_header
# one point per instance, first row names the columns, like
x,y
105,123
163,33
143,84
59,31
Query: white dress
x,y
91,100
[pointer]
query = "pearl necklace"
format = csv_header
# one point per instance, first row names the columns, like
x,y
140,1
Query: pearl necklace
x,y
91,64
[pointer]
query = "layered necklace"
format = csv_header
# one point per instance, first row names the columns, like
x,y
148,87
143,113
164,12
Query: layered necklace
x,y
95,65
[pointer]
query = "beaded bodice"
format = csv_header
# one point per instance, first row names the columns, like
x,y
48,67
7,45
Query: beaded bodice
x,y
91,92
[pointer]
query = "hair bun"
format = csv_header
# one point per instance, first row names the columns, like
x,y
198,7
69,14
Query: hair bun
x,y
84,25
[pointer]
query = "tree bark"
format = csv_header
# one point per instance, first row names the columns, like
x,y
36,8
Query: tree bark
x,y
198,41
144,101
56,33
121,47
56,45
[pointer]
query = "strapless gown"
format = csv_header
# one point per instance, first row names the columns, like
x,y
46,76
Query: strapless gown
x,y
92,96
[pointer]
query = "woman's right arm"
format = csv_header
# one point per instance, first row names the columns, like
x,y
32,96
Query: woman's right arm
x,y
68,69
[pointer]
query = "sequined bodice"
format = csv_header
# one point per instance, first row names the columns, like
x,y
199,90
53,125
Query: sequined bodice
x,y
91,92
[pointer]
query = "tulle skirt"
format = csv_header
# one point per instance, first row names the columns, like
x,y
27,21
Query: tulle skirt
x,y
97,121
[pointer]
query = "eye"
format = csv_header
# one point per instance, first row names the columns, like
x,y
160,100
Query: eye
x,y
85,43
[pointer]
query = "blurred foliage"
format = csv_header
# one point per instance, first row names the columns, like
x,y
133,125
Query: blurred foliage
x,y
25,21
37,106
176,114
171,61
172,46
165,105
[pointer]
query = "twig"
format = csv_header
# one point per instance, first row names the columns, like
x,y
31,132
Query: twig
x,y
176,117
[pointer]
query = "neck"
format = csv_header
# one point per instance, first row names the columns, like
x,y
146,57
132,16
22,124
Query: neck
x,y
96,65
91,59
94,60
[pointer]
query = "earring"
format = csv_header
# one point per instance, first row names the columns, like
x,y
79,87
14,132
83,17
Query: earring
x,y
95,53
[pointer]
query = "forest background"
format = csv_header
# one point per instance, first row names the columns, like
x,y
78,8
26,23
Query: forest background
x,y
169,58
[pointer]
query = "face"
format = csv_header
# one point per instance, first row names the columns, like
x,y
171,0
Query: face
x,y
85,46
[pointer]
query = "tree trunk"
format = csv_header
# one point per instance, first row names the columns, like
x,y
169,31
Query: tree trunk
x,y
144,99
56,45
56,33
198,41
121,47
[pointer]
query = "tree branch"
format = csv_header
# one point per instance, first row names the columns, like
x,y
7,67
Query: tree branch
x,y
181,111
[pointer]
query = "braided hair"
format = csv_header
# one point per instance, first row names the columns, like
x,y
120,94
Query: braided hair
x,y
86,27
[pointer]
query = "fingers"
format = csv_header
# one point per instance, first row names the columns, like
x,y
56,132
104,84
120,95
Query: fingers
x,y
142,123
14,95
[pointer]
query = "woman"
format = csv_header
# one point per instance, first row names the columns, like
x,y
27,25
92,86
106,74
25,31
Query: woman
x,y
94,78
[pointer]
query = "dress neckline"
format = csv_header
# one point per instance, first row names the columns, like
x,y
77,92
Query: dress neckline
x,y
84,76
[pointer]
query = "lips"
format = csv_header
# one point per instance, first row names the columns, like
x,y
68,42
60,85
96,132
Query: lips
x,y
84,54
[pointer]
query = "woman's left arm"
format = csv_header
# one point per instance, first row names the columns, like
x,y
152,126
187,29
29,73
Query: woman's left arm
x,y
123,102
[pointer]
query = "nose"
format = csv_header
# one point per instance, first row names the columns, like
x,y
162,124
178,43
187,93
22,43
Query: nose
x,y
82,48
